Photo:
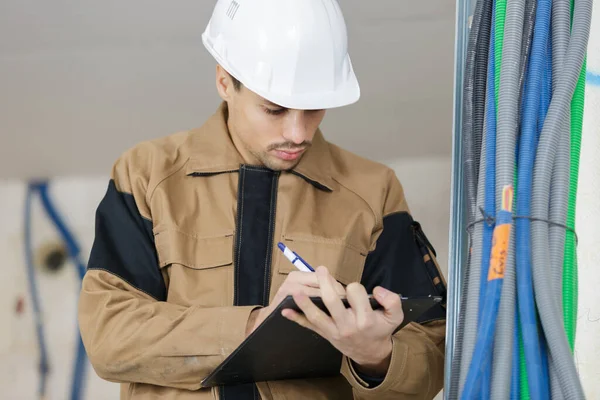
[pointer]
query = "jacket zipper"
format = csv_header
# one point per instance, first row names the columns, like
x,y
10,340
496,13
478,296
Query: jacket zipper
x,y
267,277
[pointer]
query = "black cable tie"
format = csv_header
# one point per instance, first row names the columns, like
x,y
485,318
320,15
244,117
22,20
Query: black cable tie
x,y
491,220
487,218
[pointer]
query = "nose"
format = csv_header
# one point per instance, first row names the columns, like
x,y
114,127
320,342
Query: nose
x,y
295,129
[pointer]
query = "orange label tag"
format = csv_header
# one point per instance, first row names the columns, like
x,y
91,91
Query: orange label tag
x,y
499,252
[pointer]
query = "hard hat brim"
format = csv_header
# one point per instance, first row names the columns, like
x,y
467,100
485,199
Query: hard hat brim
x,y
346,94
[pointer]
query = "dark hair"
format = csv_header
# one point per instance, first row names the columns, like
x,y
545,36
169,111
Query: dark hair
x,y
237,85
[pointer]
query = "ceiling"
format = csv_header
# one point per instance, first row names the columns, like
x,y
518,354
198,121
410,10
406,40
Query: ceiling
x,y
81,80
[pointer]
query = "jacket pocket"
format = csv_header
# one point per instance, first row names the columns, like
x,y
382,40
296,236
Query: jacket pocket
x,y
199,268
344,261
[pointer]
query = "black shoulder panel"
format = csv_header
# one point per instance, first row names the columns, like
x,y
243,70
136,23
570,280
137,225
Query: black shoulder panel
x,y
401,263
124,244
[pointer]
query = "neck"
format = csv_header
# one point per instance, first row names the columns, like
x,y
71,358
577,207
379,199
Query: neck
x,y
247,156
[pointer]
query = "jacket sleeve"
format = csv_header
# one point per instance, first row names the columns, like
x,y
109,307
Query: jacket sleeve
x,y
403,261
130,332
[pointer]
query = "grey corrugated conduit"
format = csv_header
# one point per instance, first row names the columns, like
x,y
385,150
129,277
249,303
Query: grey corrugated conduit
x,y
480,82
467,329
467,128
559,199
502,359
561,11
555,390
558,214
550,314
475,267
508,112
503,362
559,184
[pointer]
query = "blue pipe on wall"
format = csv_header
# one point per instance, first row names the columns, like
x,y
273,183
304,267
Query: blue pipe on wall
x,y
73,248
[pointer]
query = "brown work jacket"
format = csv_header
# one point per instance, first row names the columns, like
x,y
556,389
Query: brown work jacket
x,y
185,248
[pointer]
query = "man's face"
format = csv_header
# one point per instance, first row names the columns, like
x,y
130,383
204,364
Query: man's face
x,y
266,133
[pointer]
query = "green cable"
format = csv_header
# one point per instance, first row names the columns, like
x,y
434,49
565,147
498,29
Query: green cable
x,y
570,279
523,367
499,42
570,283
523,383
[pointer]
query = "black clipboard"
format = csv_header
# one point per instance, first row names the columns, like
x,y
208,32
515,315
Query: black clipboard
x,y
281,349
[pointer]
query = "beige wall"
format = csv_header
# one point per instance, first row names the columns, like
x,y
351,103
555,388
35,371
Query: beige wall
x,y
426,182
587,344
77,199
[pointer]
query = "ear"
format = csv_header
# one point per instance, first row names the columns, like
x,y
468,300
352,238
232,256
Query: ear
x,y
224,84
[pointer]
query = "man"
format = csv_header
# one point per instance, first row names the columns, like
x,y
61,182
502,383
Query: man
x,y
184,265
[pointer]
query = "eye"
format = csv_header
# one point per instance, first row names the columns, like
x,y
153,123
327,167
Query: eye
x,y
276,111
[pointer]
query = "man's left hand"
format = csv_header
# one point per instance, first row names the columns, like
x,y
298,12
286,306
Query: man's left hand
x,y
362,334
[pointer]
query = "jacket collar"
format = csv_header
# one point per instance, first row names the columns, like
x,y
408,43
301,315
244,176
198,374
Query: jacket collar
x,y
213,152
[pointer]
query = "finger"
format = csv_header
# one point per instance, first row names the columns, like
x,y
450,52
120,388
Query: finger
x,y
304,278
332,300
391,304
339,288
292,288
307,290
359,301
315,316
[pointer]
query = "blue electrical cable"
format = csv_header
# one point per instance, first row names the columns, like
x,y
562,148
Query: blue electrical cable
x,y
44,367
537,378
485,334
515,380
79,368
490,291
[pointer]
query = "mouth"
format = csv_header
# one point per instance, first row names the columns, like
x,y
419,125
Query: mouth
x,y
289,155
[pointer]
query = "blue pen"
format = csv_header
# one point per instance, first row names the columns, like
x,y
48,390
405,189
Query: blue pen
x,y
295,258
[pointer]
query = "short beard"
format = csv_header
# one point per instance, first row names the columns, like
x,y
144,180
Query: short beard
x,y
275,164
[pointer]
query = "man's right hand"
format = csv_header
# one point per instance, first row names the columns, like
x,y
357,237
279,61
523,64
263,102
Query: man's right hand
x,y
297,282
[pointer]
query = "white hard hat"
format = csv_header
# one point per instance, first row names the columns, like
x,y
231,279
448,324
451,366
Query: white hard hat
x,y
293,53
